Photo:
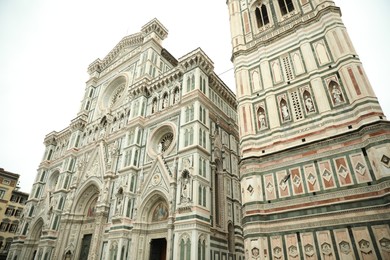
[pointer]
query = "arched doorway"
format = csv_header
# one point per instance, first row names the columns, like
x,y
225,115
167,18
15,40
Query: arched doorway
x,y
34,237
158,249
155,213
85,214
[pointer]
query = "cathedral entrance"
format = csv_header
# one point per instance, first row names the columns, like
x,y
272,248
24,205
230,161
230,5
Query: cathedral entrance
x,y
158,249
85,244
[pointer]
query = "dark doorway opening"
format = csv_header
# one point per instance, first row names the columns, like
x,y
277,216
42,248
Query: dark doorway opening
x,y
85,244
158,249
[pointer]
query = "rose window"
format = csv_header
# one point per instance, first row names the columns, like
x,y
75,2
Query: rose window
x,y
165,141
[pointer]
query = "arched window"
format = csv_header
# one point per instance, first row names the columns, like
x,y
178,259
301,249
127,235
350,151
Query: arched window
x,y
185,249
61,203
286,6
50,154
25,229
262,17
201,248
188,84
43,176
189,113
31,211
192,82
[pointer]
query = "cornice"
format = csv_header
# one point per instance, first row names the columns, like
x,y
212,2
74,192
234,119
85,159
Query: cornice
x,y
223,90
196,58
284,29
369,130
79,122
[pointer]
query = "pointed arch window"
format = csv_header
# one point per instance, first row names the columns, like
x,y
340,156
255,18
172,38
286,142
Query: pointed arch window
x,y
185,249
189,113
201,249
286,6
262,17
188,137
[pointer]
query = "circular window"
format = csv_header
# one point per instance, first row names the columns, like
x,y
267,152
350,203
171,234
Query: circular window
x,y
165,141
162,140
114,93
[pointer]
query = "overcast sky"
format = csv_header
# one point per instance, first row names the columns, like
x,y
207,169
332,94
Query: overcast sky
x,y
47,45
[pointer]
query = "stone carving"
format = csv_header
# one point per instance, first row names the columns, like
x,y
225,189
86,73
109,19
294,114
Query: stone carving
x,y
326,249
262,118
345,249
365,247
165,101
277,252
308,103
185,187
335,91
176,96
293,251
309,250
154,106
255,253
69,200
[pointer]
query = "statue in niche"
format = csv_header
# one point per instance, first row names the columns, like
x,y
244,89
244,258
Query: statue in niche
x,y
105,191
185,187
69,200
119,199
337,95
165,101
262,119
176,96
308,102
285,111
154,106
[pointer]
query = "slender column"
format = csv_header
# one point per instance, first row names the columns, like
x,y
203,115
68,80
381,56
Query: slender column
x,y
101,218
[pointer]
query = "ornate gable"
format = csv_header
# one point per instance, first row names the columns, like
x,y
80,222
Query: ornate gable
x,y
130,41
157,179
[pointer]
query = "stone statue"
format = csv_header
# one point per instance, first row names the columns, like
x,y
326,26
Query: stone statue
x,y
337,95
262,121
285,112
309,104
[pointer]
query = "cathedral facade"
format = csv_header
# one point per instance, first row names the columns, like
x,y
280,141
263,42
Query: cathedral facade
x,y
148,169
314,142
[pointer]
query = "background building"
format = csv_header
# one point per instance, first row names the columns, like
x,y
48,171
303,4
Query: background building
x,y
12,202
314,143
147,169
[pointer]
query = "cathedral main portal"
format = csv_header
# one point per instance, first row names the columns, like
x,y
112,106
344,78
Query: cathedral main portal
x,y
158,249
85,245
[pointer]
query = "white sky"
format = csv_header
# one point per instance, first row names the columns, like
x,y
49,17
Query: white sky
x,y
47,45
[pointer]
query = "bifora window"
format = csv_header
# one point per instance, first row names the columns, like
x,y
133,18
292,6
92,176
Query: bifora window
x,y
261,16
286,6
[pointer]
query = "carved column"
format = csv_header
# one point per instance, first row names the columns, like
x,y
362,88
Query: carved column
x,y
101,218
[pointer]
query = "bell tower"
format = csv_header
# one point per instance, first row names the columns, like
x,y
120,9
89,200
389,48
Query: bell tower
x,y
314,142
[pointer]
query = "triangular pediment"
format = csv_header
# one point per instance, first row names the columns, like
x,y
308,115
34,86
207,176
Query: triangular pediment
x,y
157,179
124,46
94,165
